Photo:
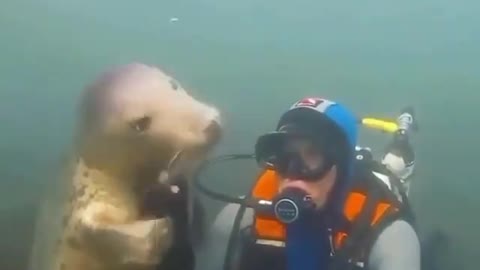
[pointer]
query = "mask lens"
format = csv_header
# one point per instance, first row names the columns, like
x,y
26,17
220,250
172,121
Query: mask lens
x,y
301,158
306,151
292,155
268,150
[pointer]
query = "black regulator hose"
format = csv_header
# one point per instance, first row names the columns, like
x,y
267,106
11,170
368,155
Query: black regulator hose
x,y
213,194
242,201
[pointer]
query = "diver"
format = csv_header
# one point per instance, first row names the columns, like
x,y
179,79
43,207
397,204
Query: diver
x,y
330,206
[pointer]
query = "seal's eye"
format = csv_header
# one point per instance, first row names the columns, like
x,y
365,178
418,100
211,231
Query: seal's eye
x,y
174,85
141,124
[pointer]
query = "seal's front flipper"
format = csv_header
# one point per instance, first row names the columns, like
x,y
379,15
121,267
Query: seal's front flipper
x,y
135,243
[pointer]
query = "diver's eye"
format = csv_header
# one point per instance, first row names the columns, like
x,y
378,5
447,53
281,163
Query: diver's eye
x,y
141,124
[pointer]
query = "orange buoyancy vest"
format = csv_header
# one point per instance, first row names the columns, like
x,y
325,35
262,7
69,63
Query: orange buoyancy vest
x,y
271,229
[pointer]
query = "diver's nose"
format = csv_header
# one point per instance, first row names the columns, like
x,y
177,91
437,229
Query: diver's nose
x,y
213,132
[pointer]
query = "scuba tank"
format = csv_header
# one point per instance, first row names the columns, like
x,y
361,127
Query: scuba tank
x,y
399,157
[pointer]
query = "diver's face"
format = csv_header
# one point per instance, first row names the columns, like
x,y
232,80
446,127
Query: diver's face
x,y
318,189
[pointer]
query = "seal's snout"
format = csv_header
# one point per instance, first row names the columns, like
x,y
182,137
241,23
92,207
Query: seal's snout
x,y
213,132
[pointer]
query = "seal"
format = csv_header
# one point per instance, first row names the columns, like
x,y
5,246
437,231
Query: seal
x,y
137,128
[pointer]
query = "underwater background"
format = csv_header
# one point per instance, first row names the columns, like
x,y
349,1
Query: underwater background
x,y
252,59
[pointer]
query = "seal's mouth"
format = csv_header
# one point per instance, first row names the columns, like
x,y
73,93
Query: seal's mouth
x,y
177,174
185,161
213,133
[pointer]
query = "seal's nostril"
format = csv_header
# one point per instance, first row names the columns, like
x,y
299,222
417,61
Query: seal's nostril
x,y
213,132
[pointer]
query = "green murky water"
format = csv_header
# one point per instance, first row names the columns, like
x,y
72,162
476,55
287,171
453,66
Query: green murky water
x,y
251,59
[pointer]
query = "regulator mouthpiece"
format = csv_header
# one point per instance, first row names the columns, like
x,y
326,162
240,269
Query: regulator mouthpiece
x,y
292,204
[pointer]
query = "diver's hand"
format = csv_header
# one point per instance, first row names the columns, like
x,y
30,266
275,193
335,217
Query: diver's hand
x,y
158,199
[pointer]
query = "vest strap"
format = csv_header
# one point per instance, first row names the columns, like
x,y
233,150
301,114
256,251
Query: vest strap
x,y
352,246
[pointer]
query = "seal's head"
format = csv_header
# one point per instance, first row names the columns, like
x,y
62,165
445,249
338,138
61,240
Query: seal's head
x,y
135,119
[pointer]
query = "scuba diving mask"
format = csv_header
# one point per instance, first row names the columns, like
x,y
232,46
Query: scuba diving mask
x,y
294,155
